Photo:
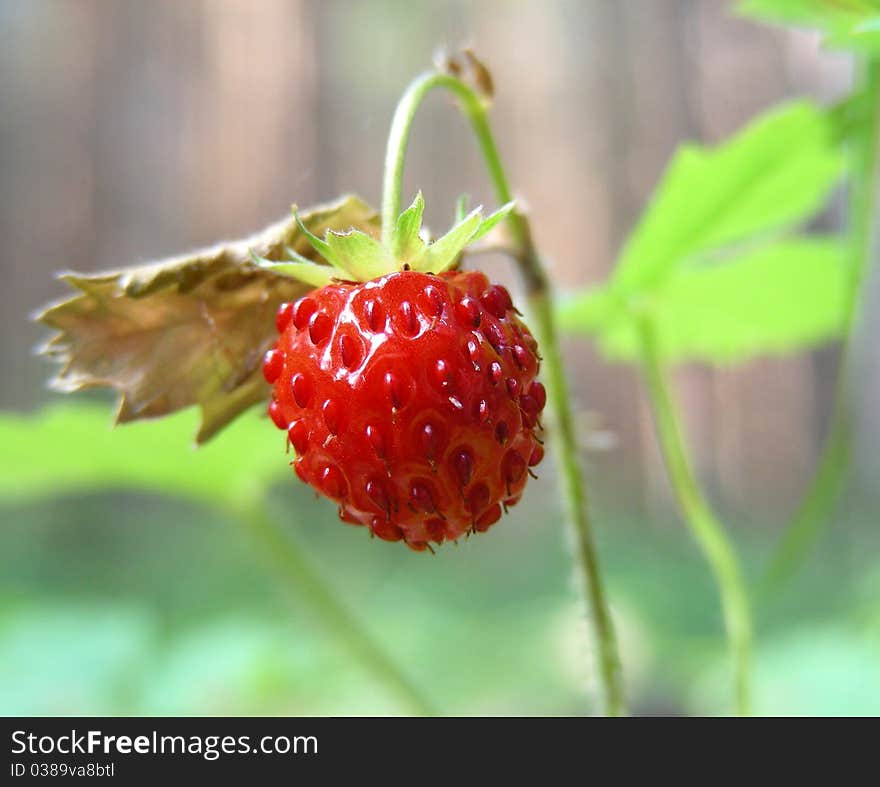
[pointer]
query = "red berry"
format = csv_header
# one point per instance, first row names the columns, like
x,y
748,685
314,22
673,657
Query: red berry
x,y
410,400
537,455
497,301
273,363
298,434
283,317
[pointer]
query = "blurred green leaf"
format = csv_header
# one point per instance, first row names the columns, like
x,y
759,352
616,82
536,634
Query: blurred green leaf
x,y
846,24
105,647
121,658
818,670
773,174
73,448
706,264
772,300
237,665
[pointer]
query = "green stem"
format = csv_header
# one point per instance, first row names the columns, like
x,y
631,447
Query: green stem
x,y
307,584
825,488
705,527
814,511
475,109
540,301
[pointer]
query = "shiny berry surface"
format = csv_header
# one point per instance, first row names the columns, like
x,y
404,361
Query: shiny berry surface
x,y
409,400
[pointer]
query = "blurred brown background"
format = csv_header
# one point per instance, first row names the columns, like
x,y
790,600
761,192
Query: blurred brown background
x,y
133,130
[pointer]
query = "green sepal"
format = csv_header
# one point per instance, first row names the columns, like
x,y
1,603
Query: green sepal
x,y
355,255
298,267
360,254
407,243
317,244
461,207
443,252
492,221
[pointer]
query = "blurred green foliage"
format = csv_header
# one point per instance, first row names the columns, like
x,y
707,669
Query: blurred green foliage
x,y
85,452
782,295
119,601
846,24
710,263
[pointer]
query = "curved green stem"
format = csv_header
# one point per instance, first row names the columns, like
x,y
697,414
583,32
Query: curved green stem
x,y
540,300
814,511
475,109
302,577
704,526
806,527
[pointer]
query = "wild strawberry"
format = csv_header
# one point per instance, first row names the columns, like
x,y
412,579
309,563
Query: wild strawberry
x,y
409,399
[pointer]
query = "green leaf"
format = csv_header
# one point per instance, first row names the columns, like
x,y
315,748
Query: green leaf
x,y
705,266
846,24
773,300
362,255
443,252
591,311
73,449
407,244
773,174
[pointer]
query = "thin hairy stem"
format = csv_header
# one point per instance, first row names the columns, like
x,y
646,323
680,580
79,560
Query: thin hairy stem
x,y
705,527
543,323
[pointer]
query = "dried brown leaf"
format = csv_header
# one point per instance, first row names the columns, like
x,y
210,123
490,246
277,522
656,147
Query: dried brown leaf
x,y
190,330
